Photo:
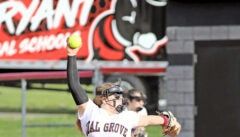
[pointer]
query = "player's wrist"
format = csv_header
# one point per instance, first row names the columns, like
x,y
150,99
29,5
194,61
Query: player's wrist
x,y
165,120
71,54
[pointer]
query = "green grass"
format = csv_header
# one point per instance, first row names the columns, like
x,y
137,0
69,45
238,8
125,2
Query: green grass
x,y
44,107
11,126
37,100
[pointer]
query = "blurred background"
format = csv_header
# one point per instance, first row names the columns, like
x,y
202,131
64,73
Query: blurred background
x,y
183,54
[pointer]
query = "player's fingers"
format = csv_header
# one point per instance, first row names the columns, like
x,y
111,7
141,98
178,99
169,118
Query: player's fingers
x,y
166,130
176,130
169,131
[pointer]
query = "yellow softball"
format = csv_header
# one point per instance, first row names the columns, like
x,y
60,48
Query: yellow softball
x,y
74,41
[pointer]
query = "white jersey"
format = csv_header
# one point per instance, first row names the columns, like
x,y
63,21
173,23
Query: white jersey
x,y
143,112
96,122
137,130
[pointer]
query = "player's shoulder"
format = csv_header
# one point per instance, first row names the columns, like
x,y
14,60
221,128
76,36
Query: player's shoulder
x,y
128,113
90,109
143,111
91,105
129,117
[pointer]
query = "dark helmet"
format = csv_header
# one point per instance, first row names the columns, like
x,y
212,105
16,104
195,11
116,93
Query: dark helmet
x,y
116,89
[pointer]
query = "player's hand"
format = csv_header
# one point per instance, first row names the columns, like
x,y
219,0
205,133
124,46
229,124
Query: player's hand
x,y
174,130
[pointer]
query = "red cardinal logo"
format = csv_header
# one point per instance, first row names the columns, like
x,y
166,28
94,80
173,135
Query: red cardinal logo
x,y
127,29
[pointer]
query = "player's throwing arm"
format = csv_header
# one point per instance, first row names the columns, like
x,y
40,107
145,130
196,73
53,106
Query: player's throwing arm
x,y
78,93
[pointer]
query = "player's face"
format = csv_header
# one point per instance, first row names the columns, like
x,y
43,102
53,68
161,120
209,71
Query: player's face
x,y
117,98
136,101
115,103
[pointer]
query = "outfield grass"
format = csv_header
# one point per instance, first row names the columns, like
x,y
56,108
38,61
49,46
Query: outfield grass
x,y
37,100
10,126
45,108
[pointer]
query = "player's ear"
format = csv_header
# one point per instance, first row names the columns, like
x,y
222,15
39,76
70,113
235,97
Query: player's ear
x,y
98,100
103,99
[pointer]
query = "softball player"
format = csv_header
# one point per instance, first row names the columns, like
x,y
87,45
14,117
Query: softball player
x,y
105,116
135,102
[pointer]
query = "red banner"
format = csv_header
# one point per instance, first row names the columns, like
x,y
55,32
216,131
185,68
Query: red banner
x,y
37,29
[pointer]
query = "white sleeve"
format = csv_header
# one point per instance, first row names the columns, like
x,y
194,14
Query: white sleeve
x,y
143,112
132,118
88,110
87,114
